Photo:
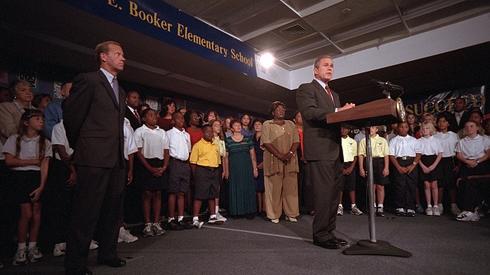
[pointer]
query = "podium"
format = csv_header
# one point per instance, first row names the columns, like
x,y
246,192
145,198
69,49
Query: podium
x,y
378,112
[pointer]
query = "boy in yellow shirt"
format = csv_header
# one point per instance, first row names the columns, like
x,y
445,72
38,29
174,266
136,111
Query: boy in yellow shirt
x,y
205,159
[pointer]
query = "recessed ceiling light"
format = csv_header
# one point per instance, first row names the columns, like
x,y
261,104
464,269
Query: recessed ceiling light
x,y
267,60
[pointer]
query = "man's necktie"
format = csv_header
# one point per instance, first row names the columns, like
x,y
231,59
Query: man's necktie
x,y
137,115
327,89
115,88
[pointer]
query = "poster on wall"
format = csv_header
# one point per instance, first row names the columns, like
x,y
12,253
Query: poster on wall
x,y
153,103
444,102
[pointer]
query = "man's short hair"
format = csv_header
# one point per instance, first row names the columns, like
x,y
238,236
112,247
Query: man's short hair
x,y
104,48
318,59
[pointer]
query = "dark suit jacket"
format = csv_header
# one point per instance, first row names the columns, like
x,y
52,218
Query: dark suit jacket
x,y
94,121
133,120
321,140
453,123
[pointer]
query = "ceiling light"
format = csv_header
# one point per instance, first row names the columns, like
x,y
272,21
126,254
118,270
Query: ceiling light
x,y
266,60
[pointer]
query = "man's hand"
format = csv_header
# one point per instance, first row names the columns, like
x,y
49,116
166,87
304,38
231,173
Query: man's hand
x,y
347,106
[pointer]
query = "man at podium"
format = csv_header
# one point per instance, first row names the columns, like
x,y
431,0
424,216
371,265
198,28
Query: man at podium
x,y
322,150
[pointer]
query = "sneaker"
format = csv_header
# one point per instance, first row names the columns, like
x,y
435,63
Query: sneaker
x,y
58,250
455,210
428,211
356,211
419,209
197,224
400,212
175,226
34,255
276,221
468,216
20,257
157,229
214,220
380,212
220,217
126,236
148,231
340,210
441,208
410,213
291,219
436,211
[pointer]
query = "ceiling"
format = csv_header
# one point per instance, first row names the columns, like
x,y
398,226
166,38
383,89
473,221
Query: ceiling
x,y
297,31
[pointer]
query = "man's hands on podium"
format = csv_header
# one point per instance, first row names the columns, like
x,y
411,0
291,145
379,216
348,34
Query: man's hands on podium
x,y
347,106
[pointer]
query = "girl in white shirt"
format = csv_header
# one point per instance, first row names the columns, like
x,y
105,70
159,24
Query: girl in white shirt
x,y
152,143
431,151
448,141
27,154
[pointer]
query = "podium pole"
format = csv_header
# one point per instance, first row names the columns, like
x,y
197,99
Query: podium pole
x,y
373,246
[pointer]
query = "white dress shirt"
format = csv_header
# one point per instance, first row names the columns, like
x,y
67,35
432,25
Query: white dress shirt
x,y
448,141
179,144
430,146
58,137
473,148
129,142
29,149
406,146
152,141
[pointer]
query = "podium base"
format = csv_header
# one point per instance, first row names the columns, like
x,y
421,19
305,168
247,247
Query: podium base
x,y
379,248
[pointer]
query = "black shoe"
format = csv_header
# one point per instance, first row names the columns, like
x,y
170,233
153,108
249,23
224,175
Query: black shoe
x,y
410,213
400,213
185,225
379,212
174,225
328,244
116,262
342,242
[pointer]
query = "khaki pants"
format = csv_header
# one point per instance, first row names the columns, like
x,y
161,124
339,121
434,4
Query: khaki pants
x,y
281,192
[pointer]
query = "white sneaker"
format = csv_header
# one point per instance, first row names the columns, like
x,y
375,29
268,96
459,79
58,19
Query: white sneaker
x,y
197,224
441,208
93,245
428,211
34,254
340,210
157,229
20,257
58,250
436,211
356,211
455,210
148,231
220,217
126,236
468,216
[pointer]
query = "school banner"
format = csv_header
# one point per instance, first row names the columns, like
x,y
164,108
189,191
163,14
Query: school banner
x,y
161,21
444,101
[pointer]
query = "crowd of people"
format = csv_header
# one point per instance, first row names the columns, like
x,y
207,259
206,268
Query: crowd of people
x,y
182,160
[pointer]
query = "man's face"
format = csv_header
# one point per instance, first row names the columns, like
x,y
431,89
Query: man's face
x,y
65,90
133,100
114,58
324,71
459,105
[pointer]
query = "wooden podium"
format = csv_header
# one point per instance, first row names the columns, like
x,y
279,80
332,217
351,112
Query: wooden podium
x,y
378,112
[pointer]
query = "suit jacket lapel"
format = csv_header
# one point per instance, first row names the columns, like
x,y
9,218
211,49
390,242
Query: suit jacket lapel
x,y
109,89
323,94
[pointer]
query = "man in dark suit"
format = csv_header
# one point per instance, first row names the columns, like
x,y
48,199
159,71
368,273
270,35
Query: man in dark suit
x,y
93,117
322,150
132,104
460,116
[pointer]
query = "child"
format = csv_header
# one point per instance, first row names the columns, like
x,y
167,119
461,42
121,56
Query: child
x,y
129,150
152,143
448,140
205,159
259,156
380,153
218,140
27,154
179,171
473,151
405,155
349,149
431,151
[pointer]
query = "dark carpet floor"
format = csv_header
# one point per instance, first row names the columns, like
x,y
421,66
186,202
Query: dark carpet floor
x,y
440,245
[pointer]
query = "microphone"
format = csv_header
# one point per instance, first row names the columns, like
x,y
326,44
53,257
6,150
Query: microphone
x,y
388,86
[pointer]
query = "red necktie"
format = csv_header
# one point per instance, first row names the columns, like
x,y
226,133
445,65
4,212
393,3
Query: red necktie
x,y
327,89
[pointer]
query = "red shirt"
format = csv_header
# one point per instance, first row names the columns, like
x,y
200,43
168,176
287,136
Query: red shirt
x,y
196,134
165,123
